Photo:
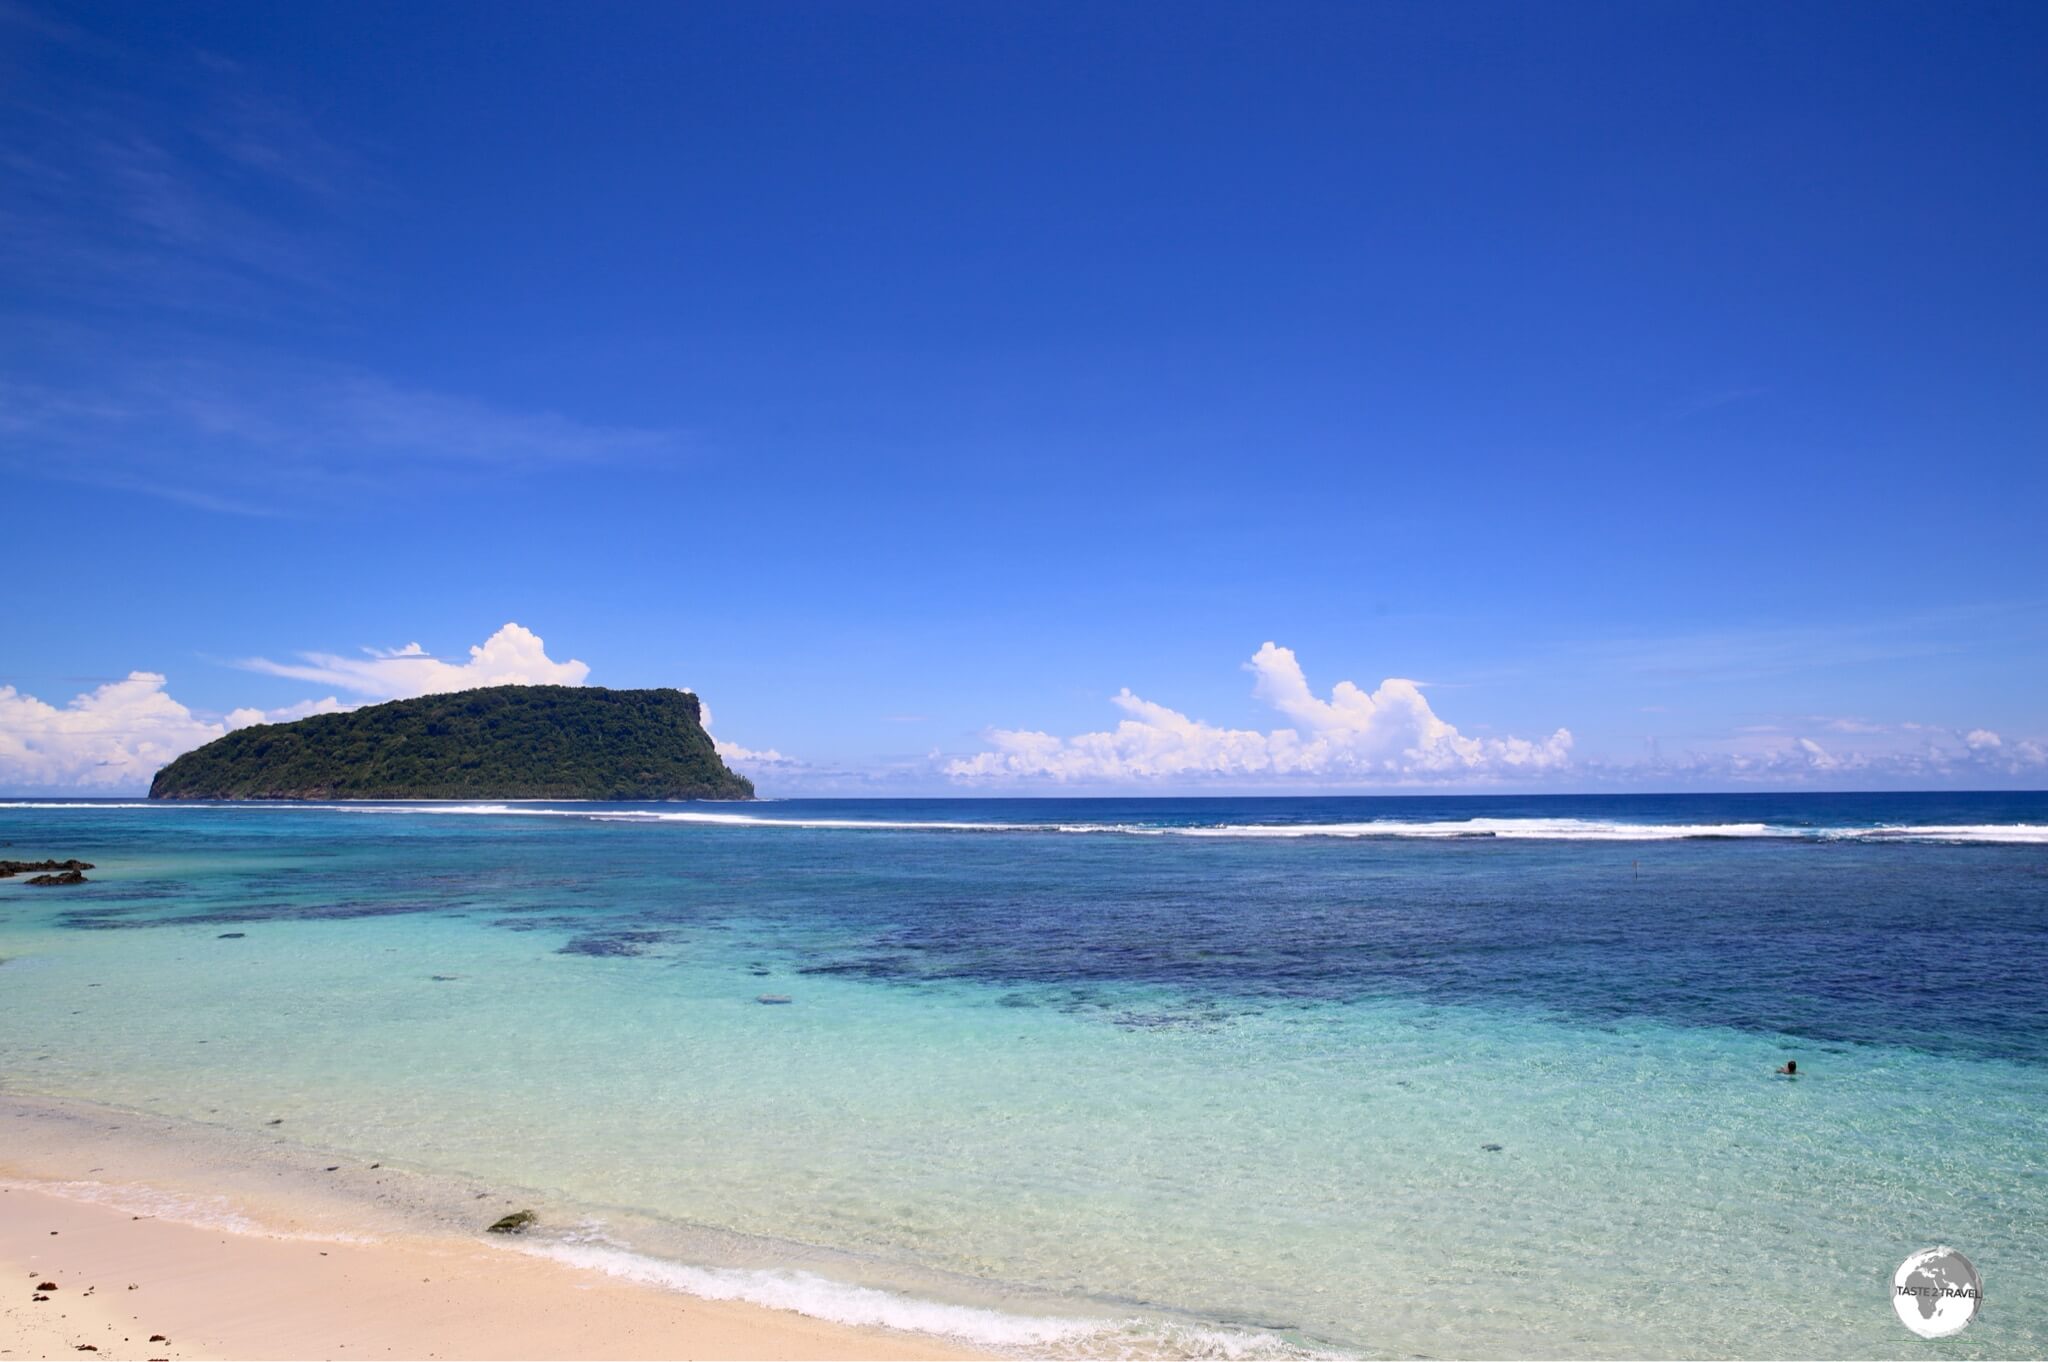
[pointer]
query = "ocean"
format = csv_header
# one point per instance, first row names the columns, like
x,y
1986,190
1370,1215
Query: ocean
x,y
1375,1077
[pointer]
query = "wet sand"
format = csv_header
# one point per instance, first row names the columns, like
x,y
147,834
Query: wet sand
x,y
140,1270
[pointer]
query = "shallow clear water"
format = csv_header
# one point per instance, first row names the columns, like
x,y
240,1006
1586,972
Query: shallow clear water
x,y
1207,1075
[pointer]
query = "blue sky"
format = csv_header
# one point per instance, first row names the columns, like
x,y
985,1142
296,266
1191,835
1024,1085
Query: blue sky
x,y
913,380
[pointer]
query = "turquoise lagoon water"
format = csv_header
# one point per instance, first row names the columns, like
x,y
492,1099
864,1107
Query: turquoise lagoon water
x,y
1101,1077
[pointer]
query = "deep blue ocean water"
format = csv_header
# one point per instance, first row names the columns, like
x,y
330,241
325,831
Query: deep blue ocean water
x,y
1184,1075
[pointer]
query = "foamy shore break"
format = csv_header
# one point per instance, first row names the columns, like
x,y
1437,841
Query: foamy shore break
x,y
142,1239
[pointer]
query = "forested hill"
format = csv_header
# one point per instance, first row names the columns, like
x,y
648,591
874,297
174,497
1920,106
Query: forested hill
x,y
505,742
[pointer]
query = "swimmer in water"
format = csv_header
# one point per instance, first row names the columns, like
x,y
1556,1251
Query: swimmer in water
x,y
1790,1069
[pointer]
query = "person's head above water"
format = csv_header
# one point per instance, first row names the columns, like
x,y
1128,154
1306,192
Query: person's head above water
x,y
1791,1067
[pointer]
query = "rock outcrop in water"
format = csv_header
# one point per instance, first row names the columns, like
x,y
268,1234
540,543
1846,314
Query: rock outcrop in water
x,y
59,877
8,869
504,742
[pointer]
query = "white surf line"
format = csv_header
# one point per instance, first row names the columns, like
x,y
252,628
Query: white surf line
x,y
1524,829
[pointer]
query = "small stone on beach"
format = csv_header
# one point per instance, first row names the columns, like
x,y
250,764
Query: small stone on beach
x,y
515,1223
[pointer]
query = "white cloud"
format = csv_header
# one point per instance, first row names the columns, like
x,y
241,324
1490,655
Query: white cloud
x,y
1881,755
514,656
246,716
1388,736
1817,756
132,224
113,737
736,755
117,736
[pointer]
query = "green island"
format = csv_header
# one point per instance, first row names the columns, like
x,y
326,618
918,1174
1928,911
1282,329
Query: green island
x,y
503,742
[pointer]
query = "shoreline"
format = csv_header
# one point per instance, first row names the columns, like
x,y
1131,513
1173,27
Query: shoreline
x,y
1026,1104
140,1242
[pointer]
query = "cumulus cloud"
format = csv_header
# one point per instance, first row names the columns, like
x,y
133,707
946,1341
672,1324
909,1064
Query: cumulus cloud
x,y
117,736
112,737
514,656
737,756
1390,735
754,759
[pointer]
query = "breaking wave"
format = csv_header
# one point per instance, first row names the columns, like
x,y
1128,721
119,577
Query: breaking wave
x,y
807,1293
1509,829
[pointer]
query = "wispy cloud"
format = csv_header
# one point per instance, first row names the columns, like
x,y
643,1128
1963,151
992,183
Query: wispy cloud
x,y
154,203
1902,754
28,20
163,180
264,437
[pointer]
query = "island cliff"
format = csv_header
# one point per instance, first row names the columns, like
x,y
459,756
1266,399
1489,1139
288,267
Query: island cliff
x,y
504,742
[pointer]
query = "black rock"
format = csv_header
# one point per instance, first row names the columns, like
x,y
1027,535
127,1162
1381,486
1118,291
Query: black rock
x,y
230,936
61,877
516,1223
8,868
1491,1148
